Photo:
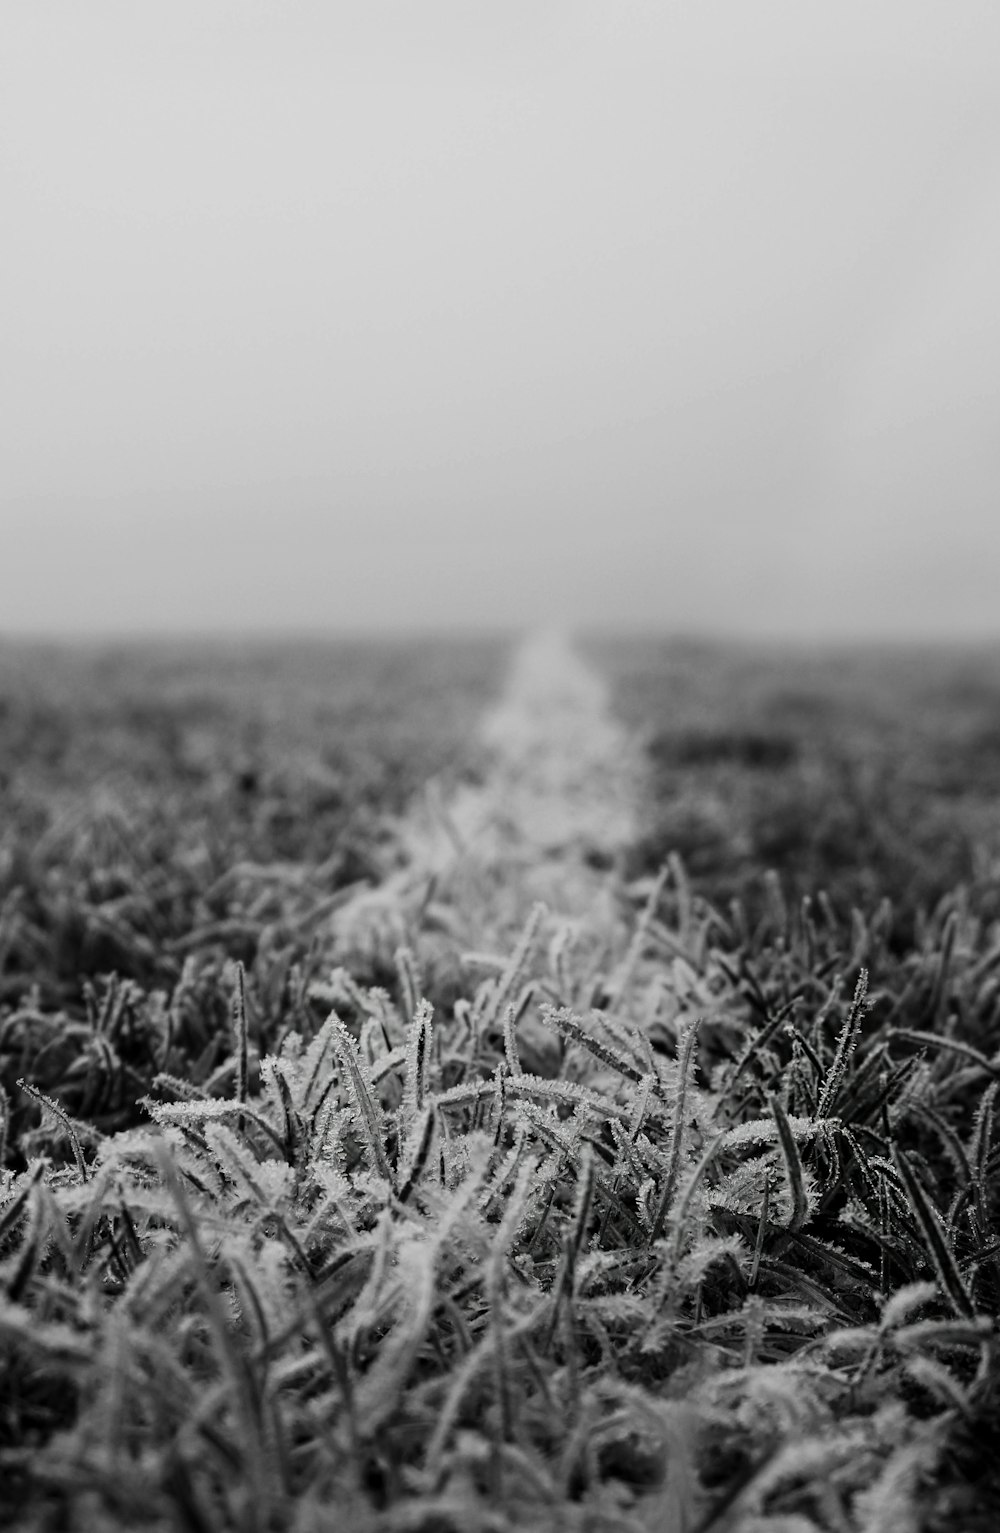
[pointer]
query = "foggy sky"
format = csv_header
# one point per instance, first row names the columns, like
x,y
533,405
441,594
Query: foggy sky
x,y
428,314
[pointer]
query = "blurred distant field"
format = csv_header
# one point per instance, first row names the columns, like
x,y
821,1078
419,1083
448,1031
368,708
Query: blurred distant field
x,y
133,779
867,773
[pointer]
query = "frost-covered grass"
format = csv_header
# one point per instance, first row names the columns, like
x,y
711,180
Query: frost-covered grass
x,y
694,1228
867,773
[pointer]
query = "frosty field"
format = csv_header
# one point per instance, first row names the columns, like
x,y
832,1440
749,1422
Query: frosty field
x,y
467,1085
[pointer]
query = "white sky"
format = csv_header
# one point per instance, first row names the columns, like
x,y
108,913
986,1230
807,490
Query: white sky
x,y
442,312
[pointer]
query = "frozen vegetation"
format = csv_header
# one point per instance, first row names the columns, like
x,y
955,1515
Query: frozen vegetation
x,y
573,1110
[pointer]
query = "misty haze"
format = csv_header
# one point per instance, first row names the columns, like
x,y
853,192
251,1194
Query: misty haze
x,y
386,315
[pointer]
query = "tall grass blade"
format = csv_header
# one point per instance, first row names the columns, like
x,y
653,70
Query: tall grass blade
x,y
941,1256
793,1166
846,1044
242,1040
685,1071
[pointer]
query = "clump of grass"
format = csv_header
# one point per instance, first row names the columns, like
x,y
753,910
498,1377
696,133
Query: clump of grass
x,y
743,1274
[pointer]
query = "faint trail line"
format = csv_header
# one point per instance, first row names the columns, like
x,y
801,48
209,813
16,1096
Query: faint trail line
x,y
550,819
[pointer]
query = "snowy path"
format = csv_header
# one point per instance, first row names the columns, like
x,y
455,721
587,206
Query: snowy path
x,y
555,808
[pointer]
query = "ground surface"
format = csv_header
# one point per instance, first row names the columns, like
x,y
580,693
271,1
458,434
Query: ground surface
x,y
866,772
450,1088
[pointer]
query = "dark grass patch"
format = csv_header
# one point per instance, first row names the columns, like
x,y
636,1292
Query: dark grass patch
x,y
864,773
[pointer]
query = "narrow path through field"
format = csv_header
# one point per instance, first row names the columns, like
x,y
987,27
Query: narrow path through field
x,y
548,820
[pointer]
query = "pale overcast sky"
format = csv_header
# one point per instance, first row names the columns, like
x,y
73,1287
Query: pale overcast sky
x,y
443,312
